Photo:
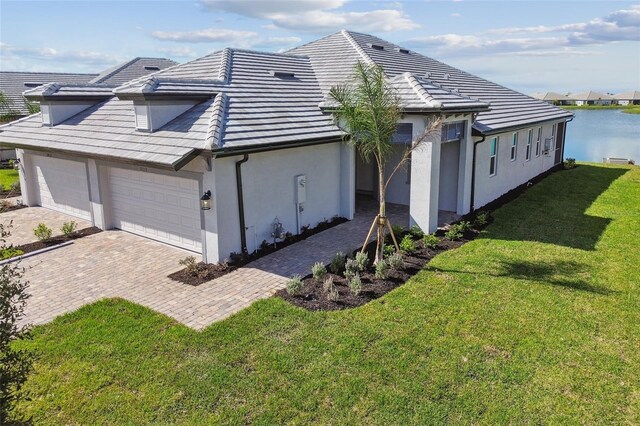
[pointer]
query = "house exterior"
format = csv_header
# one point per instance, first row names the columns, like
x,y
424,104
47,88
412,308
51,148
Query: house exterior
x,y
592,98
255,131
554,98
14,84
628,98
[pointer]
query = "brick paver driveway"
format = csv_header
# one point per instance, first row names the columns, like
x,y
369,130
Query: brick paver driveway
x,y
118,264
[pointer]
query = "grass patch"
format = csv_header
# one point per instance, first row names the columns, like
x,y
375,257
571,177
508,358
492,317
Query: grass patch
x,y
8,177
537,321
631,109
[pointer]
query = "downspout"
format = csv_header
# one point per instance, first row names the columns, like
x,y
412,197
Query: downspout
x,y
564,137
243,229
473,173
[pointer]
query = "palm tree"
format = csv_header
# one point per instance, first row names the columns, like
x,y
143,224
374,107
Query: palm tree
x,y
369,110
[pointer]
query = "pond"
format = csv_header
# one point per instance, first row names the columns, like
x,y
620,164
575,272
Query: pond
x,y
596,134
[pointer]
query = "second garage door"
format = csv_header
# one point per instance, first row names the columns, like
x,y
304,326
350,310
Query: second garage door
x,y
161,207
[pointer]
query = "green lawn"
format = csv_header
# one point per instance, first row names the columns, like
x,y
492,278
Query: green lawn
x,y
629,109
536,322
8,176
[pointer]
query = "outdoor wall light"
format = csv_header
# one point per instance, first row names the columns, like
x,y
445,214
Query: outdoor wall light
x,y
205,201
16,164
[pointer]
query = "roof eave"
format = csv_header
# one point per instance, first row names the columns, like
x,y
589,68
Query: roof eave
x,y
477,132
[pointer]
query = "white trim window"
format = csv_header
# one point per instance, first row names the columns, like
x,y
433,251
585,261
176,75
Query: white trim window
x,y
514,147
527,155
538,141
493,157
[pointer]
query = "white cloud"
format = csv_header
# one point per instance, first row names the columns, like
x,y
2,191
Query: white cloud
x,y
567,39
231,38
316,15
80,57
455,15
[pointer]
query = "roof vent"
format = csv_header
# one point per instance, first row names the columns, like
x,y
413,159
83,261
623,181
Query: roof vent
x,y
151,68
33,84
376,46
282,74
427,75
447,76
401,50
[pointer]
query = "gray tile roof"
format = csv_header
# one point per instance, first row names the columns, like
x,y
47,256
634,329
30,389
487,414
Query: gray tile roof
x,y
13,84
333,58
551,96
628,96
590,96
137,67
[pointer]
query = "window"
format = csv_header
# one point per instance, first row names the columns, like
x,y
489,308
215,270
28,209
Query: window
x,y
527,156
452,132
493,158
514,147
553,135
538,141
403,133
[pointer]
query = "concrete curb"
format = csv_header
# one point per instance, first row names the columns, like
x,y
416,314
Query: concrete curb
x,y
33,253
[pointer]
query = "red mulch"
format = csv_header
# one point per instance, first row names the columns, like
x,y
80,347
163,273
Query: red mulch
x,y
54,241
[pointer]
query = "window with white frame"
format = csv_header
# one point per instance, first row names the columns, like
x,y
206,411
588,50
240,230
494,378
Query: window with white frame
x,y
514,146
538,141
493,158
527,155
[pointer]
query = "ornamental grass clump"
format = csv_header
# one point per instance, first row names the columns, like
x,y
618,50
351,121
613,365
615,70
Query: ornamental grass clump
x,y
395,261
294,284
318,270
338,262
355,284
382,270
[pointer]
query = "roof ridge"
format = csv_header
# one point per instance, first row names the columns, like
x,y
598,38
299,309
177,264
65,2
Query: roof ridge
x,y
356,46
261,52
421,91
224,72
215,130
116,69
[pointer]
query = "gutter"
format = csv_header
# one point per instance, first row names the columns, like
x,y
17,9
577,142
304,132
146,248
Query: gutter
x,y
243,229
473,173
564,137
253,149
476,132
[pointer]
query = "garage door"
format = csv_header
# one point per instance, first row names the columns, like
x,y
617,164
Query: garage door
x,y
161,207
62,185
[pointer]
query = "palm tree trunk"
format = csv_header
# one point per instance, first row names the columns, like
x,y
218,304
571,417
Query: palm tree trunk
x,y
382,216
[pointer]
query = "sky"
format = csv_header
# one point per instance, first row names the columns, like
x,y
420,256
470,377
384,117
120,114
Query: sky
x,y
530,46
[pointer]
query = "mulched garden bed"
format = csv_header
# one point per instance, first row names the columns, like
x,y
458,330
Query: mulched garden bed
x,y
313,297
202,272
9,193
12,207
59,239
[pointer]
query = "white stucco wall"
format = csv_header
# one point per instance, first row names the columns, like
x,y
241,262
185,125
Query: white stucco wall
x,y
510,174
269,191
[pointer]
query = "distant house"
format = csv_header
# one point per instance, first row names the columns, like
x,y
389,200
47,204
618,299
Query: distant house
x,y
592,98
207,155
554,98
628,98
14,83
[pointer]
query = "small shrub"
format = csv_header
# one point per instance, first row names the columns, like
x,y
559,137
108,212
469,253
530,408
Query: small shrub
x,y
430,241
4,205
388,250
318,270
42,232
351,267
333,294
355,284
203,273
464,226
453,233
362,261
382,270
407,244
482,218
9,252
190,264
570,163
327,284
294,284
69,228
395,261
264,246
338,263
397,230
416,232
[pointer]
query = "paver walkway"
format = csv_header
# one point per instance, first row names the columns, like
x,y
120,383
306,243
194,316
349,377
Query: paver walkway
x,y
25,220
118,264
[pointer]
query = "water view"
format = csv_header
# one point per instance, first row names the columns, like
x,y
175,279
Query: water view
x,y
596,134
